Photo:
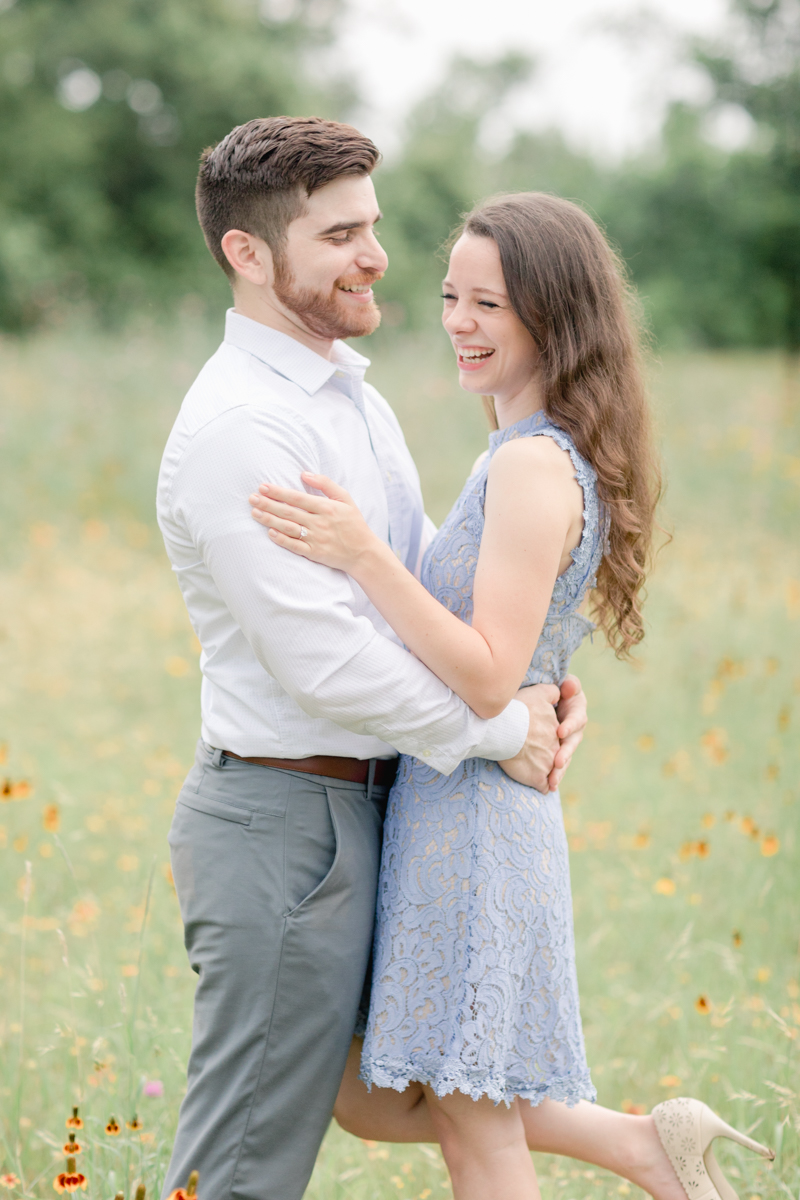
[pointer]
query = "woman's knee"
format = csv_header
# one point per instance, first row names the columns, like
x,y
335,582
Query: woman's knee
x,y
468,1128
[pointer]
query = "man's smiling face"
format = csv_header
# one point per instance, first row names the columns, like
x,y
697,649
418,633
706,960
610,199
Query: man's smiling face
x,y
330,260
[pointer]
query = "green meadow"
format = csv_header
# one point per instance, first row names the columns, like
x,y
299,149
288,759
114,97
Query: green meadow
x,y
681,805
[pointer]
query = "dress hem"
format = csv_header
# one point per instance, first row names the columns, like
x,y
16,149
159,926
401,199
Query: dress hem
x,y
454,1077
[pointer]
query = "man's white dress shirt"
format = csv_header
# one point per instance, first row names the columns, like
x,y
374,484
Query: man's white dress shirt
x,y
296,661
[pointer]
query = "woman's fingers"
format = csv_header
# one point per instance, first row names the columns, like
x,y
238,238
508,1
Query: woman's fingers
x,y
325,485
282,495
289,543
293,529
289,512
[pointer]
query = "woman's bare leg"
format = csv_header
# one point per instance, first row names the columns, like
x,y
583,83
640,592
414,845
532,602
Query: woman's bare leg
x,y
484,1147
619,1142
625,1144
382,1115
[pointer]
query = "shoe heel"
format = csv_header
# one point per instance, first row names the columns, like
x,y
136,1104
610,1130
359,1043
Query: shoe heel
x,y
716,1176
713,1126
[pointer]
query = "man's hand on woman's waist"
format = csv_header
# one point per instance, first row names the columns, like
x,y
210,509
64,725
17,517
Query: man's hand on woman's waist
x,y
557,721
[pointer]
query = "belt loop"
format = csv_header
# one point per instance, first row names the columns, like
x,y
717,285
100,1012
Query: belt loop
x,y
373,763
217,757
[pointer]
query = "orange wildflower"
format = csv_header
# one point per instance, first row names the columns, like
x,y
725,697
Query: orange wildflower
x,y
135,1123
112,1128
187,1193
74,1122
72,1147
770,845
737,938
10,1180
714,742
703,1005
636,1110
664,887
51,818
670,1081
70,1180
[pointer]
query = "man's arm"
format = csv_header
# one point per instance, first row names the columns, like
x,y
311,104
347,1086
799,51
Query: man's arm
x,y
299,617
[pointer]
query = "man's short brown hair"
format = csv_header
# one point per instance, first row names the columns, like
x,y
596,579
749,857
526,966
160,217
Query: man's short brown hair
x,y
258,178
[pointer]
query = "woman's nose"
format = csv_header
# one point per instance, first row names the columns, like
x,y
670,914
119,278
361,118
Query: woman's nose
x,y
458,320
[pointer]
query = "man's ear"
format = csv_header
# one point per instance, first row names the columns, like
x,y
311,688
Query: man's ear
x,y
249,255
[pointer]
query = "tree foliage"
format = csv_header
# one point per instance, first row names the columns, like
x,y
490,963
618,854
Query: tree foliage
x,y
105,109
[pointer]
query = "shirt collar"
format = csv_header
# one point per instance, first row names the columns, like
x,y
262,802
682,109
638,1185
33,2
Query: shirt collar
x,y
288,357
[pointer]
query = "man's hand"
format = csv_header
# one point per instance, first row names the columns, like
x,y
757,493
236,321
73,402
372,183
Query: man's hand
x,y
572,715
535,762
557,722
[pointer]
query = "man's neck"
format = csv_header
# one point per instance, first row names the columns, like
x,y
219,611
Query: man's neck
x,y
263,309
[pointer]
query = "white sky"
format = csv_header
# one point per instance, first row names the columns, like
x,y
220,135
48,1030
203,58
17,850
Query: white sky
x,y
604,90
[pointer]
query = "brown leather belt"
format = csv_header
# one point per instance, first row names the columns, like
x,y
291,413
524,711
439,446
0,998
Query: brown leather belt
x,y
354,770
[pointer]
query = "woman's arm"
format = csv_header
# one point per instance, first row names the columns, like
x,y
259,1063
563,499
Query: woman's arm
x,y
532,504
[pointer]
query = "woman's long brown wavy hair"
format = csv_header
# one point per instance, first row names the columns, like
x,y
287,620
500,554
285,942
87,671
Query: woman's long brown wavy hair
x,y
569,289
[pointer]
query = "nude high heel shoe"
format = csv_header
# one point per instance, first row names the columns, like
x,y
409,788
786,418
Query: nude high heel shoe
x,y
686,1129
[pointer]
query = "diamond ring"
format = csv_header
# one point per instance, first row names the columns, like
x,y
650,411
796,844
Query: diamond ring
x,y
303,531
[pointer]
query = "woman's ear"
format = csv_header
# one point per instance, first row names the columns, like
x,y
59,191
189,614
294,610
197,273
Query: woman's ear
x,y
249,255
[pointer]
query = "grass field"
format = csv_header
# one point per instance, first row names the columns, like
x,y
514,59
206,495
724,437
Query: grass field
x,y
681,808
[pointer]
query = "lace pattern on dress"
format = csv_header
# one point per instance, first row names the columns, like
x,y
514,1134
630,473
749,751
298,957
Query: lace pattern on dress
x,y
474,985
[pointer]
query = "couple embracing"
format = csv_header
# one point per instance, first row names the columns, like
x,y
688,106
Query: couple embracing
x,y
369,852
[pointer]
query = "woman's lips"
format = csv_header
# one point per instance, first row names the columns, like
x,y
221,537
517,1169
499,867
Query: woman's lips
x,y
473,363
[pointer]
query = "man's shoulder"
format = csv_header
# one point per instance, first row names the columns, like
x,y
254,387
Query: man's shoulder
x,y
234,397
231,380
234,389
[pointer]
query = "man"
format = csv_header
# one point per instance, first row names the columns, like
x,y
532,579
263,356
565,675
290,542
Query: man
x,y
307,694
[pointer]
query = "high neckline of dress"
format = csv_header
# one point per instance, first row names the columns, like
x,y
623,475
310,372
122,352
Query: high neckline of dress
x,y
518,429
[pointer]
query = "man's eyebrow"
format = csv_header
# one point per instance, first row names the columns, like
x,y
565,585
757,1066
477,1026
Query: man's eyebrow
x,y
343,226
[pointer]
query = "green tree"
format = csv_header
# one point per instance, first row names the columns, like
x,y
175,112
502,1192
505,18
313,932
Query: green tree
x,y
712,236
760,71
441,173
105,109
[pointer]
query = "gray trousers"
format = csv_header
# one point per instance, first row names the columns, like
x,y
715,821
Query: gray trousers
x,y
276,874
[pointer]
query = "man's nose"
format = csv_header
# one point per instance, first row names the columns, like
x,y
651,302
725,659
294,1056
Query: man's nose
x,y
372,257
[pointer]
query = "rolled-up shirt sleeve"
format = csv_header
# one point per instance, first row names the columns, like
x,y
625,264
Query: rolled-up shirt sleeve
x,y
301,619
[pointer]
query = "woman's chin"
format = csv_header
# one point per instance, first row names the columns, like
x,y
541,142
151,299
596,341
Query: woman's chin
x,y
470,381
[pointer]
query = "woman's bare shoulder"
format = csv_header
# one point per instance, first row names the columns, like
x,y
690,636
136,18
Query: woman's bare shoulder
x,y
540,452
479,461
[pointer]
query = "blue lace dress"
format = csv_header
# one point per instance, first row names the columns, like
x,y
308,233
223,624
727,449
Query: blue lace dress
x,y
474,985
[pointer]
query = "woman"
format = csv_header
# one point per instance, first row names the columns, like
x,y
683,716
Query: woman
x,y
474,993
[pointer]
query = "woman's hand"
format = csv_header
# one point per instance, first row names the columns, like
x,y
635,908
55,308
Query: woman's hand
x,y
328,529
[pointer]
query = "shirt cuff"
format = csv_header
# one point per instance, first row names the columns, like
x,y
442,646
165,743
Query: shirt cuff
x,y
504,735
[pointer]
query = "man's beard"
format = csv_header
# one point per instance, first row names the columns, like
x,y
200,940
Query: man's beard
x,y
322,313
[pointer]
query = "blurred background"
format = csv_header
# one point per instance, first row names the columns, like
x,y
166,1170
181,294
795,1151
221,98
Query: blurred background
x,y
677,126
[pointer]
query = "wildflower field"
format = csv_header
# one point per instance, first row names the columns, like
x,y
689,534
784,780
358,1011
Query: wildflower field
x,y
681,806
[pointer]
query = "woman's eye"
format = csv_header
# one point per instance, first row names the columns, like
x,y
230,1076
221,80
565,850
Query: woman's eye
x,y
488,304
448,296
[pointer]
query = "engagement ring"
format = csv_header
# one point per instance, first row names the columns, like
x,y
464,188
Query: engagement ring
x,y
303,531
